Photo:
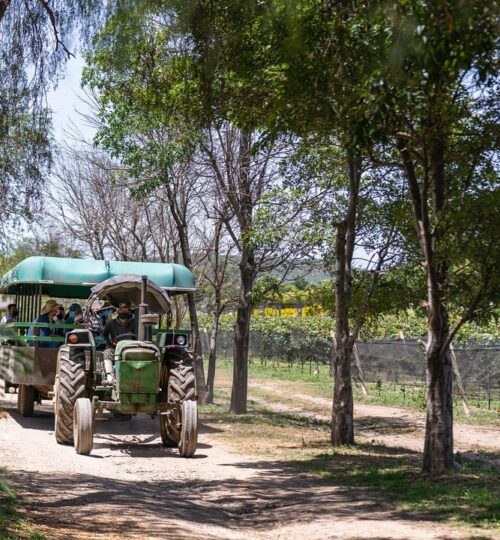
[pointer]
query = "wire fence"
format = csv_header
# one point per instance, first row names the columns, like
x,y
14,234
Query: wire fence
x,y
397,362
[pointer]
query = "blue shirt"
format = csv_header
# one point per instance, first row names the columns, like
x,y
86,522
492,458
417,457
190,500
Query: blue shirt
x,y
44,318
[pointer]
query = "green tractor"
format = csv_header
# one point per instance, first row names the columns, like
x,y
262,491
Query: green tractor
x,y
151,373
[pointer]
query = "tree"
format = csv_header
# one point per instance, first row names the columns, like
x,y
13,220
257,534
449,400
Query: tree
x,y
34,40
420,73
276,52
92,198
218,275
151,118
245,172
438,87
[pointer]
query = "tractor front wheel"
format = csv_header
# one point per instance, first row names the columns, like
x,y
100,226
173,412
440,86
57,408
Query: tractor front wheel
x,y
189,429
180,384
83,426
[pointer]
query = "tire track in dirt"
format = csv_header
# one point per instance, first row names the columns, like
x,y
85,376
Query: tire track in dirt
x,y
133,487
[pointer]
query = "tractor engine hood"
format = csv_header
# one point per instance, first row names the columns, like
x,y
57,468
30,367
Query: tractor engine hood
x,y
127,288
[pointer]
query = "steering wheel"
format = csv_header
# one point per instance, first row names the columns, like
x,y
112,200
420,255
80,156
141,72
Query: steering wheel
x,y
121,337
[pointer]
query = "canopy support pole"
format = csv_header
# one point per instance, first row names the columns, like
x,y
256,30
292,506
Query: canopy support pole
x,y
142,308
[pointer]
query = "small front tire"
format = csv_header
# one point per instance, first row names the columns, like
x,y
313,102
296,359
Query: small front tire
x,y
189,429
83,426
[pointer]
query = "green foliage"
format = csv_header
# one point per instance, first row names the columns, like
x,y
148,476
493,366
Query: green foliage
x,y
49,246
32,55
379,72
144,87
279,331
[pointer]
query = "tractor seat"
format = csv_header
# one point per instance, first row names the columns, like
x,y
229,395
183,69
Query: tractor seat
x,y
136,350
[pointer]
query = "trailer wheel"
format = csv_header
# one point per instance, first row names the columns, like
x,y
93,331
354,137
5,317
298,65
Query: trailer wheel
x,y
70,385
83,426
26,400
189,429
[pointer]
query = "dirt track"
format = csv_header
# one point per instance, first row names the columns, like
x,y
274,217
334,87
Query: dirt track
x,y
132,487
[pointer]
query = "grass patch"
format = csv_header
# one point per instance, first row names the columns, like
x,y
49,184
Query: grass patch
x,y
297,380
13,526
470,497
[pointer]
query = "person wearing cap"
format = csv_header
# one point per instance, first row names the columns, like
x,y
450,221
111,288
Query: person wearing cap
x,y
49,312
123,324
73,310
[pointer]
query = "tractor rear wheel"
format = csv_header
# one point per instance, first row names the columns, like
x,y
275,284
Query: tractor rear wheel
x,y
181,387
83,426
70,385
189,429
26,400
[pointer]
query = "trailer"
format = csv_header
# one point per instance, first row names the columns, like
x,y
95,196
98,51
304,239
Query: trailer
x,y
30,369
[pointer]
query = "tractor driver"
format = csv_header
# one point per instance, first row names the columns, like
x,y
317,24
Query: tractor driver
x,y
123,324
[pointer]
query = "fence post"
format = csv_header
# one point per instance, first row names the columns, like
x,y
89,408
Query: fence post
x,y
460,385
361,375
334,353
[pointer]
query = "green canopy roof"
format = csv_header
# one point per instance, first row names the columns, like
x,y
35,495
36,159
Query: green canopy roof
x,y
73,278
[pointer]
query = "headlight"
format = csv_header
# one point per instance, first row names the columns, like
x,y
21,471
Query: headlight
x,y
180,340
73,338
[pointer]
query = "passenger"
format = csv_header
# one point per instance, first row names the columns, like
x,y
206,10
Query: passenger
x,y
11,315
123,324
73,310
49,313
105,315
59,319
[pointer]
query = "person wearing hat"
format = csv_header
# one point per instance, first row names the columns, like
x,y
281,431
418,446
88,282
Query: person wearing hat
x,y
49,313
123,324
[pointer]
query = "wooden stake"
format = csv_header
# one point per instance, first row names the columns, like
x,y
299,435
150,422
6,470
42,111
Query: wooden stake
x,y
460,385
361,375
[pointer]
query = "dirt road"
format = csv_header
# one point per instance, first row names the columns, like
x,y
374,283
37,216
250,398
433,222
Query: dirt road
x,y
132,487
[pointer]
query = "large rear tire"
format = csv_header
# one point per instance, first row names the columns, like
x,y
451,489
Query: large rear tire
x,y
26,398
189,430
170,425
83,426
181,386
70,385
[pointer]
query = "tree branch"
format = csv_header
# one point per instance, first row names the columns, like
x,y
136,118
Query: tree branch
x,y
53,22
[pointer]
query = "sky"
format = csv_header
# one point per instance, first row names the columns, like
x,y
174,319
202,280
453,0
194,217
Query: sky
x,y
65,101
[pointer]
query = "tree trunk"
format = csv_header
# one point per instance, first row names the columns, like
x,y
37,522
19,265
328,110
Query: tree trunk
x,y
197,350
438,448
242,334
4,4
342,432
212,355
182,231
343,407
